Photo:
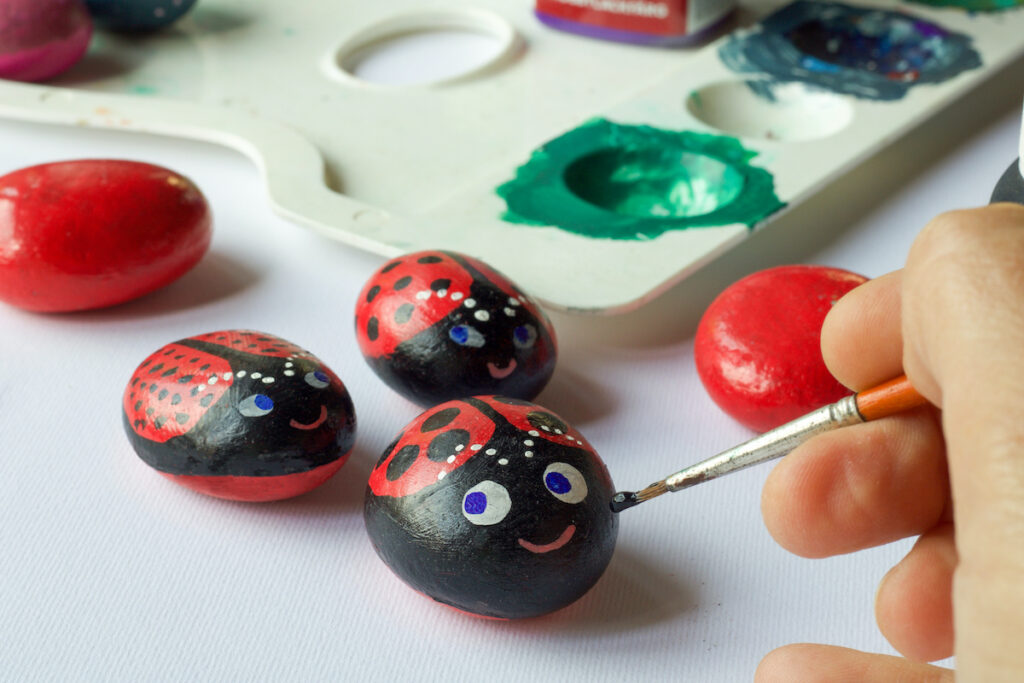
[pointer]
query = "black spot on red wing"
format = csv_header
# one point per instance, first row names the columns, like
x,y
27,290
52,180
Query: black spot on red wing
x,y
160,421
387,451
163,394
372,328
546,422
391,266
440,283
175,400
439,419
156,368
134,381
182,418
143,386
402,283
206,400
372,294
404,313
447,443
168,373
152,388
138,405
402,461
179,356
184,379
429,259
146,362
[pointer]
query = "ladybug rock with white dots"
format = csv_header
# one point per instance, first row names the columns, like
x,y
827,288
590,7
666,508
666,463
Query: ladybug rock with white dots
x,y
438,325
239,414
493,506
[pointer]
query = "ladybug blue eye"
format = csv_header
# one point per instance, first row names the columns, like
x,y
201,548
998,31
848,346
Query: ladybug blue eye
x,y
317,379
524,336
464,335
565,482
256,405
486,503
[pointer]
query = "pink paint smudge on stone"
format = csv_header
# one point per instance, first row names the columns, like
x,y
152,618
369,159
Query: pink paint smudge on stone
x,y
40,39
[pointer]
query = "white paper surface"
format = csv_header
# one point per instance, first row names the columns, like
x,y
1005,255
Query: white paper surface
x,y
111,572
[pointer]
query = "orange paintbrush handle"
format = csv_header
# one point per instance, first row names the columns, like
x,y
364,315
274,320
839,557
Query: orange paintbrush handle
x,y
888,398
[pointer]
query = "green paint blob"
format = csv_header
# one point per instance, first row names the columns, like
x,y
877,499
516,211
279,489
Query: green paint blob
x,y
143,90
615,181
974,5
654,183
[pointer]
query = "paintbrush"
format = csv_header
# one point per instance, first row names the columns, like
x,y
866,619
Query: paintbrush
x,y
886,399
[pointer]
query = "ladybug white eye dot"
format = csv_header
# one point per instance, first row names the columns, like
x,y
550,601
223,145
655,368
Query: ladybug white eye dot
x,y
565,482
482,315
317,379
486,503
256,405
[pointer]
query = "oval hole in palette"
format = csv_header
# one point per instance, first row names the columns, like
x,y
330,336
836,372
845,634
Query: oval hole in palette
x,y
424,48
770,110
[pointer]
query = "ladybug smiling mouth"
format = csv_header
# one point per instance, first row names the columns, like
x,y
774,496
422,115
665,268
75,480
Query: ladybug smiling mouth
x,y
312,425
554,545
501,373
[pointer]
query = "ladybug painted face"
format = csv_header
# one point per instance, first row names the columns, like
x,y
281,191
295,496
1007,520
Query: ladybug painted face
x,y
239,414
494,506
437,325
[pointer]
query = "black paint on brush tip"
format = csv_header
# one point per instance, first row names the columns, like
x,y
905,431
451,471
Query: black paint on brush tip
x,y
623,500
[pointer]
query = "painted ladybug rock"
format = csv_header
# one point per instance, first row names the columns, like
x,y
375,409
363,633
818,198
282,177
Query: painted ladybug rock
x,y
758,346
240,415
77,235
493,506
437,325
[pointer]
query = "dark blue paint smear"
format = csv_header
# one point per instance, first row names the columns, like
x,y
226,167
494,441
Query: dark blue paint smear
x,y
869,53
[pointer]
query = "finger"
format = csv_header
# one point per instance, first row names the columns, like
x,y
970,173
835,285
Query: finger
x,y
827,664
914,605
859,487
861,339
964,325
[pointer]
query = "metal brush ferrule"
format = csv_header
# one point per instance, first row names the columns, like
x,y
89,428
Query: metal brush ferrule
x,y
770,445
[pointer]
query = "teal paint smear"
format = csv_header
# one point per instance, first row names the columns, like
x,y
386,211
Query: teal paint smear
x,y
865,52
613,181
143,90
974,5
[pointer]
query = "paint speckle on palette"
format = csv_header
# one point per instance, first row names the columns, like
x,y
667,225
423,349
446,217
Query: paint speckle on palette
x,y
615,181
206,420
868,53
40,39
452,342
138,15
974,5
490,531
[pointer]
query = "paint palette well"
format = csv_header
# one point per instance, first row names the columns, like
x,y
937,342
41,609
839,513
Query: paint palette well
x,y
420,166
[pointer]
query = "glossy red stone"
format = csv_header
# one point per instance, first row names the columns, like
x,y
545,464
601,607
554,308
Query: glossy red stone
x,y
758,346
86,234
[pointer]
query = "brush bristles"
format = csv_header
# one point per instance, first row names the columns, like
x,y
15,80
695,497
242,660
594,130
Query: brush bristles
x,y
652,491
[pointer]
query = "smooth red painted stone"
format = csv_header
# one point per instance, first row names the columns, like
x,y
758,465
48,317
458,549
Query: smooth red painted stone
x,y
758,346
40,39
86,234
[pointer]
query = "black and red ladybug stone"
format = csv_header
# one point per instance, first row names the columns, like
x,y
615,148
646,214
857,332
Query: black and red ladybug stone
x,y
239,414
493,506
437,325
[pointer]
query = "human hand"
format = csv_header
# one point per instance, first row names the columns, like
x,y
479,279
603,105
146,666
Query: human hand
x,y
953,320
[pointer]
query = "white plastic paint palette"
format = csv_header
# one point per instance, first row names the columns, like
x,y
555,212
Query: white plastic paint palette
x,y
417,166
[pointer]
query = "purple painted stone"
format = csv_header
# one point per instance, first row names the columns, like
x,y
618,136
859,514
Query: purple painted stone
x,y
40,39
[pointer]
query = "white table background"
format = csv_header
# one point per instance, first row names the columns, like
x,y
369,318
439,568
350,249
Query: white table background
x,y
110,572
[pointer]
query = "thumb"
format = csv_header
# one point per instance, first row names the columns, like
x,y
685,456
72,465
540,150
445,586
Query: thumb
x,y
963,329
